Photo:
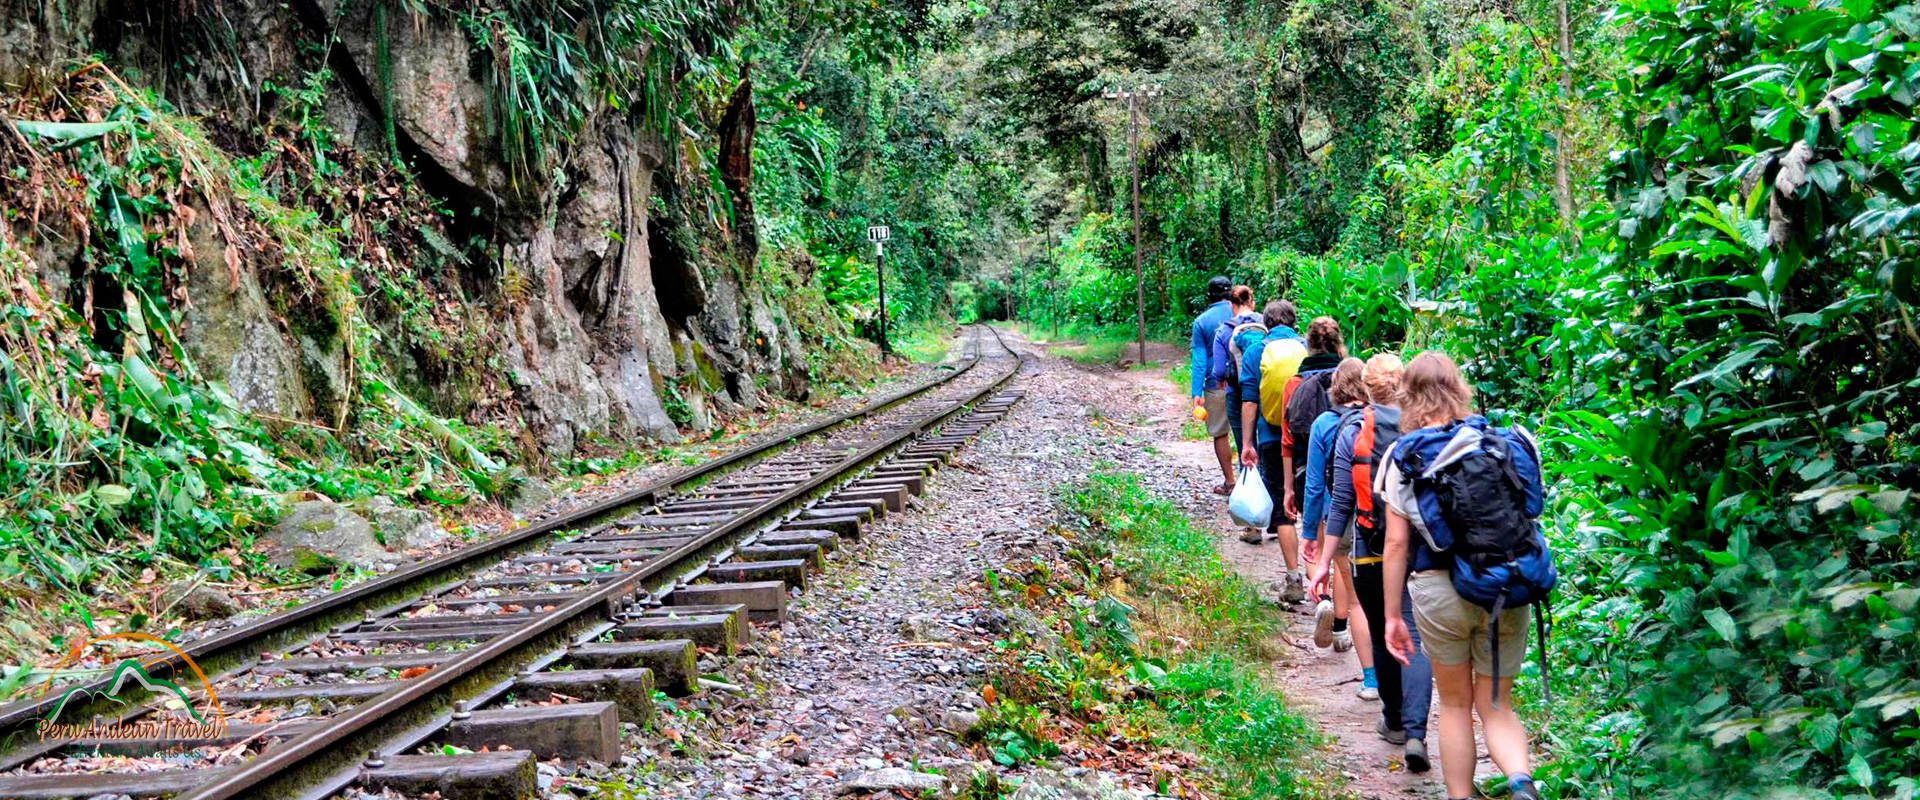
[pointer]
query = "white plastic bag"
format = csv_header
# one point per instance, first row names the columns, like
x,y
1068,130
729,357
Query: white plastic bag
x,y
1250,504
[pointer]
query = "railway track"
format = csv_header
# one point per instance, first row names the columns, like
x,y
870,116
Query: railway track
x,y
455,674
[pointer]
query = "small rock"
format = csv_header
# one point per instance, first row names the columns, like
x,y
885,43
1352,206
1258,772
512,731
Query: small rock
x,y
960,722
891,779
922,628
194,599
991,620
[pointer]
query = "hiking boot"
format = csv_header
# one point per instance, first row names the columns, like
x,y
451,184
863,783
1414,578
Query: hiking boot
x,y
1323,624
1343,641
1525,791
1253,536
1391,735
1417,756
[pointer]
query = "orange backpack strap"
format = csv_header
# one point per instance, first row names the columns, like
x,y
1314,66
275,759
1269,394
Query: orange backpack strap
x,y
1286,397
1363,471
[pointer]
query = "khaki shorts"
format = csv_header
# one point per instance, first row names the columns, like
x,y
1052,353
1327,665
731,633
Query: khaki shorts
x,y
1215,402
1453,629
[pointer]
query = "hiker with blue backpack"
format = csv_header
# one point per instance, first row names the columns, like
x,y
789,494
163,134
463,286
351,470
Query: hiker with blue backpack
x,y
1223,361
1360,435
1208,399
1463,498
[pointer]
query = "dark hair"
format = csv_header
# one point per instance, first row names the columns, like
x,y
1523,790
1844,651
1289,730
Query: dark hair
x,y
1217,287
1323,336
1241,295
1280,312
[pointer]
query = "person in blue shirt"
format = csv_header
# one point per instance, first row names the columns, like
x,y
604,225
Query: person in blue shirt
x,y
1213,401
1223,372
1262,440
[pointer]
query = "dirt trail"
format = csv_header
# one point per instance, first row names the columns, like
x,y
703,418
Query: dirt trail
x,y
1320,683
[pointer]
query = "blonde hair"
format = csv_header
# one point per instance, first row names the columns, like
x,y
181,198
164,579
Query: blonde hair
x,y
1383,378
1347,386
1434,392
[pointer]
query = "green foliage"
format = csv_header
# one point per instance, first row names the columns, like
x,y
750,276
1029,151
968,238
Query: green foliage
x,y
924,341
1182,661
1774,370
118,452
1015,734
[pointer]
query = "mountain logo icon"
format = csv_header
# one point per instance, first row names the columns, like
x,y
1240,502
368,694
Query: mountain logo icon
x,y
152,680
129,671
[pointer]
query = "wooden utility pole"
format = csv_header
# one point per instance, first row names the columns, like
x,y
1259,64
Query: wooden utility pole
x,y
1133,97
1057,303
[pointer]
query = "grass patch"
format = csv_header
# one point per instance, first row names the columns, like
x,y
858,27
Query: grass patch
x,y
1092,344
924,341
1144,639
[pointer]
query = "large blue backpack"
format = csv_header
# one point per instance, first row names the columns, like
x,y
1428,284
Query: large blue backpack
x,y
1480,497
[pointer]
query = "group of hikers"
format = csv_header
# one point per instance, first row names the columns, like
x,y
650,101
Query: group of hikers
x,y
1406,518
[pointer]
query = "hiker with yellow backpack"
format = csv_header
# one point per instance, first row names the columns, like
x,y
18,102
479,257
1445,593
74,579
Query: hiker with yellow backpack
x,y
1266,364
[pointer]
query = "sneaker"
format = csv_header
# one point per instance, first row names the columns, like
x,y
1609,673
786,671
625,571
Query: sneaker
x,y
1343,641
1367,693
1323,635
1417,756
1391,735
1253,536
1526,791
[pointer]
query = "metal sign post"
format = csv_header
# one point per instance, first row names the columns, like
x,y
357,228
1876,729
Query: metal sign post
x,y
878,234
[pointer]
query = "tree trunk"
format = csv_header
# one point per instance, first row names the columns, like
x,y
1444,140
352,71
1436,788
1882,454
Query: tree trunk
x,y
1562,181
736,163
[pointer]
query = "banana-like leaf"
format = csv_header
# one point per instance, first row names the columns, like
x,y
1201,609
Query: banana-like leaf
x,y
67,134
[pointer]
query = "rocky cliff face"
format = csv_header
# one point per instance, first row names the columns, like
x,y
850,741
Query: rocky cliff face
x,y
594,306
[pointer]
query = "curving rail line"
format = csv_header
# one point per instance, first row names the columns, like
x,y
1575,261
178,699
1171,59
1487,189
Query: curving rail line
x,y
537,643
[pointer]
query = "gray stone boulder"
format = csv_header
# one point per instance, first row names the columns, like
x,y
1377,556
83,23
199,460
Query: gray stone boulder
x,y
402,528
891,779
315,536
523,494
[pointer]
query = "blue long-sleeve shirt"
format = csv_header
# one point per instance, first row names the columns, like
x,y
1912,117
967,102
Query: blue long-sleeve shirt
x,y
1313,509
1203,326
1250,379
1222,372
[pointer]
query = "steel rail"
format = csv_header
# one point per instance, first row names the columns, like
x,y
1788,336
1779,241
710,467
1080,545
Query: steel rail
x,y
247,640
284,765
